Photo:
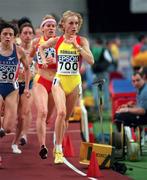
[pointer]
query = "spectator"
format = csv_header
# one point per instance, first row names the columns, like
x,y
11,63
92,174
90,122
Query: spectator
x,y
139,53
103,61
136,48
144,71
113,46
134,114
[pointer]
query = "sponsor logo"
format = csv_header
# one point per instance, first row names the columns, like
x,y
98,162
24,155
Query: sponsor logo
x,y
11,58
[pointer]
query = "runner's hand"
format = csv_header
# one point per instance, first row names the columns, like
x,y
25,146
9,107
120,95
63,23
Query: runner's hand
x,y
44,65
72,40
27,93
50,60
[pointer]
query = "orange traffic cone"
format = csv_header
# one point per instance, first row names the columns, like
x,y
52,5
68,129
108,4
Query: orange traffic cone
x,y
68,148
93,168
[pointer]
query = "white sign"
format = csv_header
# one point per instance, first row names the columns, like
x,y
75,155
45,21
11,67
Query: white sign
x,y
138,6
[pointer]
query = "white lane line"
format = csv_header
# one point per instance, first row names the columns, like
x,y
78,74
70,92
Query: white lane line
x,y
71,166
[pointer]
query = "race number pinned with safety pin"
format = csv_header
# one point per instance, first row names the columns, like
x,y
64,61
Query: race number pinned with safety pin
x,y
48,52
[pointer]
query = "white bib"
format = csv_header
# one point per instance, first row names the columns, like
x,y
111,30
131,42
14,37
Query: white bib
x,y
7,73
68,64
49,52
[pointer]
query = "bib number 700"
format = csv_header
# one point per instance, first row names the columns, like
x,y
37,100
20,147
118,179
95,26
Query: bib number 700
x,y
66,66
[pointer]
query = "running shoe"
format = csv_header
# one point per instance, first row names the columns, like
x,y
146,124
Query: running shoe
x,y
58,157
15,149
23,140
2,132
43,152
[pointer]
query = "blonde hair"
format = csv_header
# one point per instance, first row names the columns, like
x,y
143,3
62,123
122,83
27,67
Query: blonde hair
x,y
48,16
67,14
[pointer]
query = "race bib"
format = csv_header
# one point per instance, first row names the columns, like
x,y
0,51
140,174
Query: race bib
x,y
7,73
68,64
49,52
16,85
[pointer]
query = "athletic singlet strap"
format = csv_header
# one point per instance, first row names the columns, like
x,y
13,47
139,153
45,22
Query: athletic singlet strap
x,y
60,40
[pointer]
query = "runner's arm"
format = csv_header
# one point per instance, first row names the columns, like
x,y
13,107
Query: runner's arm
x,y
50,43
24,60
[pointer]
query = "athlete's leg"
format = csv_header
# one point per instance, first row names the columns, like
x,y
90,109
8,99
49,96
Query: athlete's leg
x,y
2,132
40,96
71,101
10,112
10,115
60,101
51,107
24,116
1,104
61,111
27,116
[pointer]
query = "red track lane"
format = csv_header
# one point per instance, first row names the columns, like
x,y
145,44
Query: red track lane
x,y
29,166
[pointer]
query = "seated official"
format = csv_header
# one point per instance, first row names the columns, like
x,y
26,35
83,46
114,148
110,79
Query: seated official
x,y
134,114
